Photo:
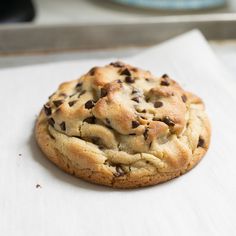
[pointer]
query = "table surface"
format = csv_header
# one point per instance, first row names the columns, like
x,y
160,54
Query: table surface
x,y
95,11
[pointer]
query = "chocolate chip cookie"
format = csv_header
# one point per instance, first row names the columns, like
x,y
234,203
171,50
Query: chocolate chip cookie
x,y
123,127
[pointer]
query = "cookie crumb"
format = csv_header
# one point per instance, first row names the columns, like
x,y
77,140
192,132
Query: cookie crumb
x,y
38,186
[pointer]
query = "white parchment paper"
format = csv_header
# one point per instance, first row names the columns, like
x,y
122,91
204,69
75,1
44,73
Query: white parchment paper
x,y
202,202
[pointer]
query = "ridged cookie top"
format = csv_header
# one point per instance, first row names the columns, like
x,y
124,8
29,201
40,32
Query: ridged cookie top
x,y
122,108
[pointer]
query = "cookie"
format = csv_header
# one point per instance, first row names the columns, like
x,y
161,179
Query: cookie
x,y
123,127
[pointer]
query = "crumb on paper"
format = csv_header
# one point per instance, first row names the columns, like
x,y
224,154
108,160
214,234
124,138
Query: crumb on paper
x,y
19,154
38,186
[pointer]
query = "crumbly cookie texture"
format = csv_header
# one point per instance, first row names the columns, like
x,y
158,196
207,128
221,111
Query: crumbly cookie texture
x,y
121,126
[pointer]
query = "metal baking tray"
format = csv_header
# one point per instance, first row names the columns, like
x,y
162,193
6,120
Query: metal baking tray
x,y
31,38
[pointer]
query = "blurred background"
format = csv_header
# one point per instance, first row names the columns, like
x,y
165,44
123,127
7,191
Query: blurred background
x,y
90,11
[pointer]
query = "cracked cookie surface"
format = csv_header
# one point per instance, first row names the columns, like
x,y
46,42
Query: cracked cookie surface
x,y
121,126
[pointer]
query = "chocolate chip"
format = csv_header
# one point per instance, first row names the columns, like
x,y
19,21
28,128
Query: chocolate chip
x,y
103,92
117,64
165,76
47,110
201,142
51,121
78,85
93,70
158,104
57,103
168,121
136,99
147,79
71,103
132,134
119,171
129,79
165,83
143,111
134,91
82,92
125,72
145,134
63,126
38,186
89,104
135,124
90,120
184,98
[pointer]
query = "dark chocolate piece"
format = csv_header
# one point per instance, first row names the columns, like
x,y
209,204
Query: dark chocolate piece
x,y
47,110
201,142
90,120
168,121
125,72
89,104
135,124
158,104
57,103
103,92
63,125
51,122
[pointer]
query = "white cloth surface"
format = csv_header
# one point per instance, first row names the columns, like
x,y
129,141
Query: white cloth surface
x,y
201,202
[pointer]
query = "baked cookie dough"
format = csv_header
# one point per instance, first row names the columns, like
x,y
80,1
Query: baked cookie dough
x,y
123,127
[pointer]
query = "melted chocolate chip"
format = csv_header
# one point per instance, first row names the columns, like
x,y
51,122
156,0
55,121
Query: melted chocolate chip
x,y
201,142
168,121
92,71
147,79
165,83
165,76
184,98
134,91
158,104
71,103
103,92
90,120
117,64
135,124
119,171
129,79
51,121
145,134
47,110
89,104
136,99
63,126
78,85
57,103
82,92
125,72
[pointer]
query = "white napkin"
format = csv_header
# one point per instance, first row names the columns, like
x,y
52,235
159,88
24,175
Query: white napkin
x,y
201,202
